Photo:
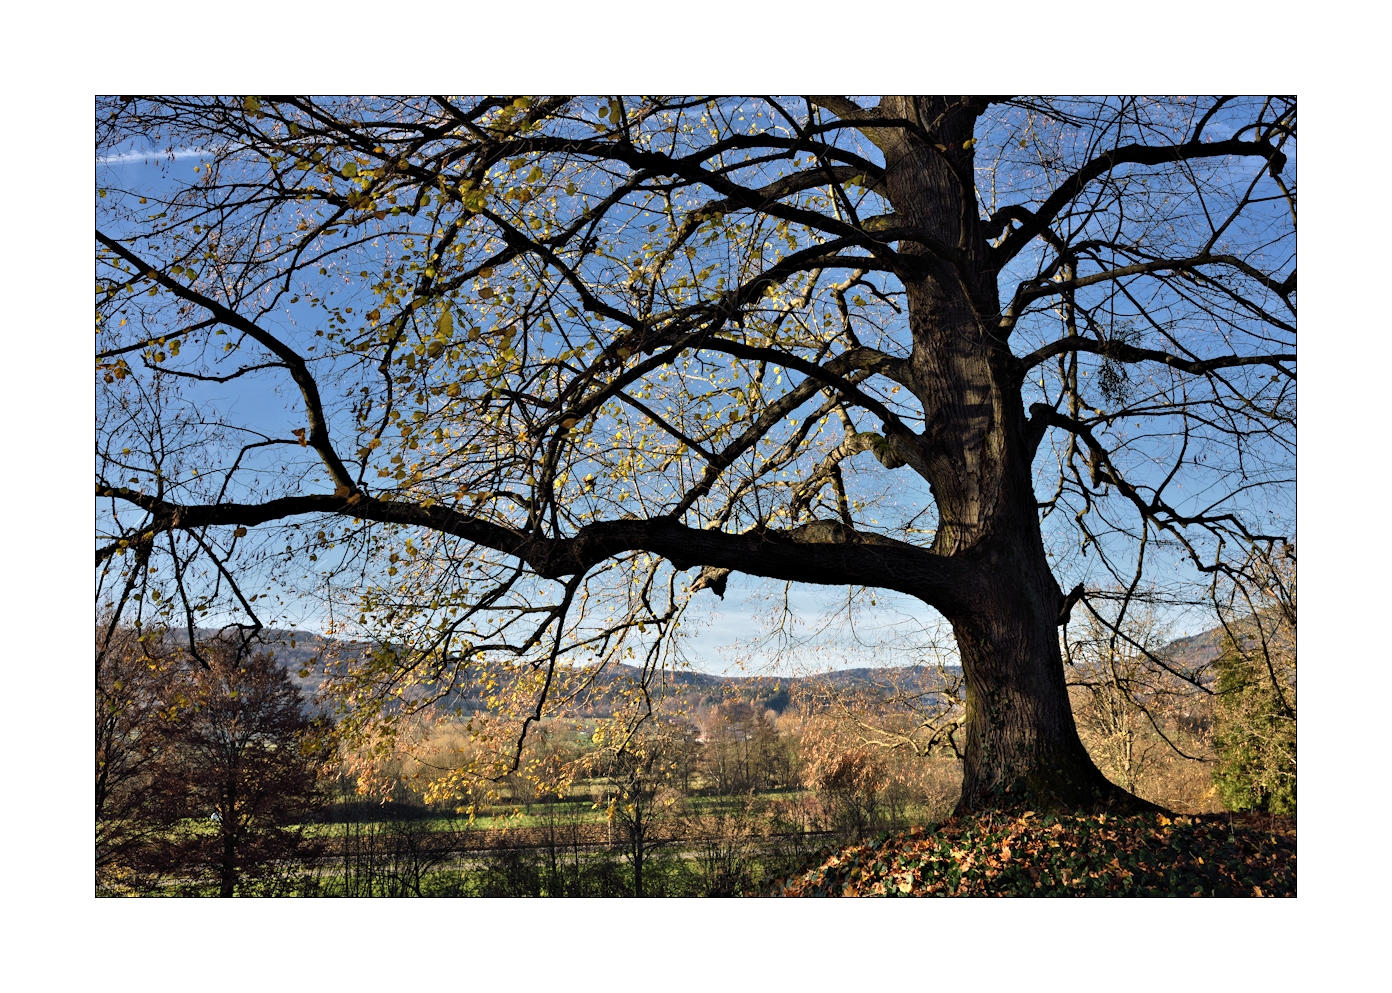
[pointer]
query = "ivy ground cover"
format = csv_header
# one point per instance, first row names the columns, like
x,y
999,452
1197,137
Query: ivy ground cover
x,y
1072,855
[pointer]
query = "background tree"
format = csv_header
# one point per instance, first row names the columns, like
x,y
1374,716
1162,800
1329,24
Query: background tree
x,y
640,774
549,354
1124,688
741,750
135,674
246,757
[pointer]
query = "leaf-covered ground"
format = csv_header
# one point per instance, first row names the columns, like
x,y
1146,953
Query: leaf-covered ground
x,y
1071,855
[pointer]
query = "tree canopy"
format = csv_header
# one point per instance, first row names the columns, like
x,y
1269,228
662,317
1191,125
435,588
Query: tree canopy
x,y
487,378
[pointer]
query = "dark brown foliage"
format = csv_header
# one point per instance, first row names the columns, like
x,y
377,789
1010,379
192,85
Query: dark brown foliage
x,y
133,676
246,758
204,772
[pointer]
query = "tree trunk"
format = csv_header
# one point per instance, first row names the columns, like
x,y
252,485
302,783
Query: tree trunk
x,y
1022,748
228,869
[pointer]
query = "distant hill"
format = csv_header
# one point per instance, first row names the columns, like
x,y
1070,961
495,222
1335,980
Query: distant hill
x,y
1197,649
297,651
688,690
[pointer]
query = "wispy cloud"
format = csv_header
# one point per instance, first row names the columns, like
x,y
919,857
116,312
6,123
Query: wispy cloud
x,y
151,153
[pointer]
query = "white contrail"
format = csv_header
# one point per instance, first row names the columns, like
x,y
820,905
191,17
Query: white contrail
x,y
176,153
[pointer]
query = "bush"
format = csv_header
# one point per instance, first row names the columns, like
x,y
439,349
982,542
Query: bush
x,y
1254,733
1254,720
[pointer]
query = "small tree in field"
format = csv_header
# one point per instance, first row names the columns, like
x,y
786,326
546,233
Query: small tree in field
x,y
641,774
245,758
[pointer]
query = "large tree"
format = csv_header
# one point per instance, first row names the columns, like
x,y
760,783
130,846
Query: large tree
x,y
511,367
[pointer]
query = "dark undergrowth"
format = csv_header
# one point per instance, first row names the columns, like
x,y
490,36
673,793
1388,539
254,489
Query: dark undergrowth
x,y
1072,855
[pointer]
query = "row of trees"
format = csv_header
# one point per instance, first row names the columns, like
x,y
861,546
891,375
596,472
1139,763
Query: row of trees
x,y
211,776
